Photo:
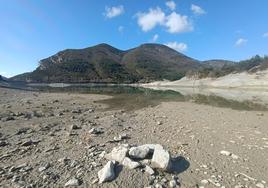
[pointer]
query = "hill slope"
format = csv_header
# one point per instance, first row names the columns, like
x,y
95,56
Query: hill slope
x,y
104,63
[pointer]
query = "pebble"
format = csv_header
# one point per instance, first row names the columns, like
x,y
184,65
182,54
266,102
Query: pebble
x,y
172,183
118,154
227,153
107,172
139,152
259,185
96,131
72,182
149,170
130,164
43,168
204,181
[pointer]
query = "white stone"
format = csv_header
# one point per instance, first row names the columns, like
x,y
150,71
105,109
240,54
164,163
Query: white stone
x,y
161,158
234,156
172,183
158,185
139,152
118,154
72,182
259,185
204,181
130,164
96,131
149,170
227,153
107,172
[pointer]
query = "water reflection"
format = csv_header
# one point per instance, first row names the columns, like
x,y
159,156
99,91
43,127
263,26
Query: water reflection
x,y
133,98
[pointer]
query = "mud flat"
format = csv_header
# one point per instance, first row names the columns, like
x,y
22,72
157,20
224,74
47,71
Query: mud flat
x,y
61,140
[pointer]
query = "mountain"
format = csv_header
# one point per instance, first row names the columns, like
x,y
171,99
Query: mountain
x,y
219,68
217,63
2,78
104,63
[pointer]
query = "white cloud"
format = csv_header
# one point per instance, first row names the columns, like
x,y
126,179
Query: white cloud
x,y
241,42
5,74
181,47
265,35
121,29
149,20
111,12
177,23
171,5
197,10
155,37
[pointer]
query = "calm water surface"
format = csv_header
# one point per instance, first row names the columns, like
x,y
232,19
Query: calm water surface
x,y
133,98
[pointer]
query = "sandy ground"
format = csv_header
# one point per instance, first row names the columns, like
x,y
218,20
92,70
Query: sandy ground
x,y
36,130
244,80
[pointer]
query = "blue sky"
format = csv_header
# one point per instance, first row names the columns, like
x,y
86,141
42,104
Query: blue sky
x,y
31,30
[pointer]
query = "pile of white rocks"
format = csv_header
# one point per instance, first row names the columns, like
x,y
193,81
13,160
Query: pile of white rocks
x,y
148,157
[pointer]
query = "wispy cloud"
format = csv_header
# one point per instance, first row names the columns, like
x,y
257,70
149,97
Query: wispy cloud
x,y
265,35
180,47
111,12
197,10
175,23
121,29
171,5
155,37
241,42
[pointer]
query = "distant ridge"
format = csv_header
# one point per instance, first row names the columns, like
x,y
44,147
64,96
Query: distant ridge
x,y
104,63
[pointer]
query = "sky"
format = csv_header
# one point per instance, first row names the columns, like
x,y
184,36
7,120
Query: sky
x,y
31,30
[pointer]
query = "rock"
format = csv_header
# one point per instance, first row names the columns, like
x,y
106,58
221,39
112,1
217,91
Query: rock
x,y
161,158
79,111
44,167
102,154
15,178
96,131
158,185
23,130
121,137
75,127
227,153
118,154
95,181
164,180
259,185
130,164
145,162
3,143
139,152
172,183
64,160
72,182
29,142
107,172
234,156
204,182
149,170
55,101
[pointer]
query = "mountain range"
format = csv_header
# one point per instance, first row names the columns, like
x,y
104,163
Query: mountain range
x,y
106,64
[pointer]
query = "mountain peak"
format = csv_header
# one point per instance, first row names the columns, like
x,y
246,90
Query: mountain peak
x,y
105,63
